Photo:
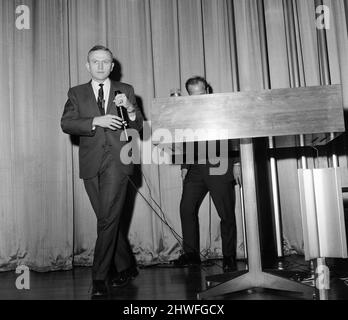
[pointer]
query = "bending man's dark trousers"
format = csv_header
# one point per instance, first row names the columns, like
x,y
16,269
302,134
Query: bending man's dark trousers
x,y
196,185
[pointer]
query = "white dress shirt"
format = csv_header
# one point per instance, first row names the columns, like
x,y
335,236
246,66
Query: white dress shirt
x,y
106,89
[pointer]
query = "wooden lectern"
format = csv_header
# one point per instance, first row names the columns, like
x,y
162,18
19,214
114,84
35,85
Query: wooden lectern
x,y
312,112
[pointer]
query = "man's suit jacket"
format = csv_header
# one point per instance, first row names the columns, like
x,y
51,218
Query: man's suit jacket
x,y
79,111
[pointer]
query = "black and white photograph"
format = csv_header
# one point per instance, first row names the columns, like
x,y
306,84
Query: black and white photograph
x,y
173,156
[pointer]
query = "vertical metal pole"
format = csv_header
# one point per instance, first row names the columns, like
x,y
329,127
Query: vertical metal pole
x,y
243,222
303,158
322,278
334,155
275,194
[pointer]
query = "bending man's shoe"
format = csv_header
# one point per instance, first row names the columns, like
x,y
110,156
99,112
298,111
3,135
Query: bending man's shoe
x,y
124,277
187,260
229,264
99,288
132,272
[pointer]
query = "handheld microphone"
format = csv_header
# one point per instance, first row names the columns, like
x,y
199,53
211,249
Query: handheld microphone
x,y
120,114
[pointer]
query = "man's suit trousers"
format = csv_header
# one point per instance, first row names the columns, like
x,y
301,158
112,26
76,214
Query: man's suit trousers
x,y
107,192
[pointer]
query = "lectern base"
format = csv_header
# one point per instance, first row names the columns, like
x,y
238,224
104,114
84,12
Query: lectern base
x,y
252,280
216,279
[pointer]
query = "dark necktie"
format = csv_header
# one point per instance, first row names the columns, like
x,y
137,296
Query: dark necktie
x,y
101,99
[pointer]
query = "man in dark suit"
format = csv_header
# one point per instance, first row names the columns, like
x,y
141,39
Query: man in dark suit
x,y
198,180
92,113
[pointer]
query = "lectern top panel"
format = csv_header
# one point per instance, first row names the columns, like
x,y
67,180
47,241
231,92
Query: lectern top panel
x,y
277,112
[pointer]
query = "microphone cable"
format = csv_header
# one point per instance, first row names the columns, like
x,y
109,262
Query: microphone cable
x,y
163,217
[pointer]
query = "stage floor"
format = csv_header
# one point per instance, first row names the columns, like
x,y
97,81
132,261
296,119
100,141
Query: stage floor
x,y
164,282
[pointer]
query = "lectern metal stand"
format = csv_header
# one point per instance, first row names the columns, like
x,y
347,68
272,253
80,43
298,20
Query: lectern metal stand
x,y
254,277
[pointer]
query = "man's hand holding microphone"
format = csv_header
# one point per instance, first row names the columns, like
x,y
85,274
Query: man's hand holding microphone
x,y
113,122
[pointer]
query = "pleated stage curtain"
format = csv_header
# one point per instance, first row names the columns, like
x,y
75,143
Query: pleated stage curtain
x,y
46,220
36,198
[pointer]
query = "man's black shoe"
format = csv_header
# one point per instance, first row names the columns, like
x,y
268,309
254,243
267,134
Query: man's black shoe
x,y
187,260
229,264
99,288
132,272
121,280
124,277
